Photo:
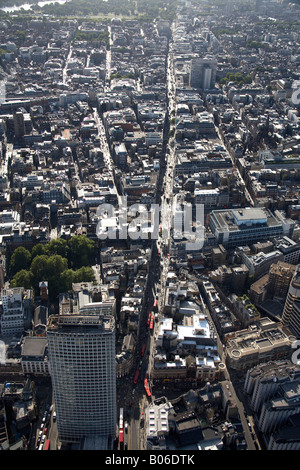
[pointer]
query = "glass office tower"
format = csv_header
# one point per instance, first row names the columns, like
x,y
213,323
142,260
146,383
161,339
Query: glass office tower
x,y
82,365
291,311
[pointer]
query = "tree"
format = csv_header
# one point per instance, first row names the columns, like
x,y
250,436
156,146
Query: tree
x,y
22,278
67,278
56,265
238,78
82,251
39,249
84,274
38,269
49,268
20,259
58,246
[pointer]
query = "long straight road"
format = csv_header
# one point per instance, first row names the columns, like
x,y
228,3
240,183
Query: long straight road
x,y
135,402
108,61
109,163
65,69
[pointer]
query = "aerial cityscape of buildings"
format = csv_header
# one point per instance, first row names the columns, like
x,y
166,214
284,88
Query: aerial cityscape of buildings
x,y
150,225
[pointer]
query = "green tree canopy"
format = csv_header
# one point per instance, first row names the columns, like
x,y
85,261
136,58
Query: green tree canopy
x,y
238,78
82,251
20,259
39,249
58,246
84,274
49,268
38,269
56,265
59,262
67,278
22,278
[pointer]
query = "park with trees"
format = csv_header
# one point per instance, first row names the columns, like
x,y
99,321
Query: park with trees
x,y
60,262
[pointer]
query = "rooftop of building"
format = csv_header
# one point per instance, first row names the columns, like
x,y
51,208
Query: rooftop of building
x,y
34,346
89,316
238,219
260,337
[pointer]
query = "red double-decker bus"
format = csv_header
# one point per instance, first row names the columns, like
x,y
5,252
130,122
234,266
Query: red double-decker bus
x,y
136,376
146,387
151,322
47,445
143,349
121,438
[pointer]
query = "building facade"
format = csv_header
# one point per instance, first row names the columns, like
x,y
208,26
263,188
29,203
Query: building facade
x,y
237,227
291,311
262,341
16,304
203,73
82,361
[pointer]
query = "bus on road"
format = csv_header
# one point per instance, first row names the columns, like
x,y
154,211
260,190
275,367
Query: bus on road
x,y
151,323
47,445
136,376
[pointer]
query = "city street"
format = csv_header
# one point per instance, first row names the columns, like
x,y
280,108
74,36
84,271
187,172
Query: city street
x,y
156,146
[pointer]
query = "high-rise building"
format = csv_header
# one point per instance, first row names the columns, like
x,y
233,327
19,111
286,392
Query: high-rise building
x,y
280,276
203,73
291,311
263,381
82,359
19,124
276,412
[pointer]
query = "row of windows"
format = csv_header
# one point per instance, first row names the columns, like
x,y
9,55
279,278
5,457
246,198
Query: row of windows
x,y
83,412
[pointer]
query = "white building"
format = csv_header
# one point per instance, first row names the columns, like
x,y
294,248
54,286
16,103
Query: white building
x,y
153,138
193,338
275,413
34,356
71,98
157,423
12,319
208,197
263,381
